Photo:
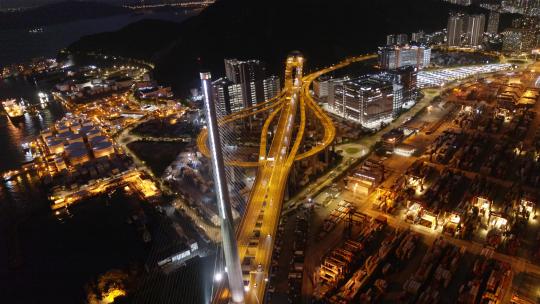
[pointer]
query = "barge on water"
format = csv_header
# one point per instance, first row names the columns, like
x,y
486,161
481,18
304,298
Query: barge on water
x,y
13,109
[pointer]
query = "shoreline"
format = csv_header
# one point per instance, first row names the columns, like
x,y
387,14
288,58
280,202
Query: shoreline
x,y
61,35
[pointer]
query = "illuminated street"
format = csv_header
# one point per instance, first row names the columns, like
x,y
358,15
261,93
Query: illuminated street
x,y
254,241
209,151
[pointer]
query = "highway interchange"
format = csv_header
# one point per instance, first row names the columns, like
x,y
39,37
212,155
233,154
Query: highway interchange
x,y
256,231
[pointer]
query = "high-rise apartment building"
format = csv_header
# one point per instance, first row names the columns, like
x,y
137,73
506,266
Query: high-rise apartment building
x,y
244,86
271,86
461,2
493,22
418,36
402,39
250,74
393,57
398,39
455,29
227,96
220,90
476,25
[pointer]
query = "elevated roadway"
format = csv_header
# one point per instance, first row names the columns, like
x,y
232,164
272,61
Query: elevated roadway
x,y
287,117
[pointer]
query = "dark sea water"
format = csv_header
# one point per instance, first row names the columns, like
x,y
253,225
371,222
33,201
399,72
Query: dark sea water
x,y
44,260
13,134
17,46
55,260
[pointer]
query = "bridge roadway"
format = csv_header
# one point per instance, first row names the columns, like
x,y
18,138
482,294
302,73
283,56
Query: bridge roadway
x,y
256,231
202,139
269,188
278,101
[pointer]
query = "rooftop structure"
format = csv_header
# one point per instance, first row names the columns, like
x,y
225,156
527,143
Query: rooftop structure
x,y
443,76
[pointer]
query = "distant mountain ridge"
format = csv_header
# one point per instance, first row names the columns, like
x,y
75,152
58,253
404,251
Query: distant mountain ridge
x,y
325,31
56,13
141,40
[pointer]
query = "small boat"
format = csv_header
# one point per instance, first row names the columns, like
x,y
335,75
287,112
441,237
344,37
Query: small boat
x,y
10,175
63,214
36,30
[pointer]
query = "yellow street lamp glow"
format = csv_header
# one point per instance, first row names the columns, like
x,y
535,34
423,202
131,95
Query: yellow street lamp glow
x,y
113,294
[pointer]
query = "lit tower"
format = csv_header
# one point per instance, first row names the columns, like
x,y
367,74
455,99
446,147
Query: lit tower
x,y
230,248
476,24
455,29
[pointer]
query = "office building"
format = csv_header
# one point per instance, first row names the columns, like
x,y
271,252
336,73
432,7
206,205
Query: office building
x,y
272,87
393,57
320,86
330,85
475,29
250,74
367,100
408,78
454,29
493,22
404,81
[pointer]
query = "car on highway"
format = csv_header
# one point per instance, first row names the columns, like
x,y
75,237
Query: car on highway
x,y
295,275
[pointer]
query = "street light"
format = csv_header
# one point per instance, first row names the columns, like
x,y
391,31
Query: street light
x,y
218,277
